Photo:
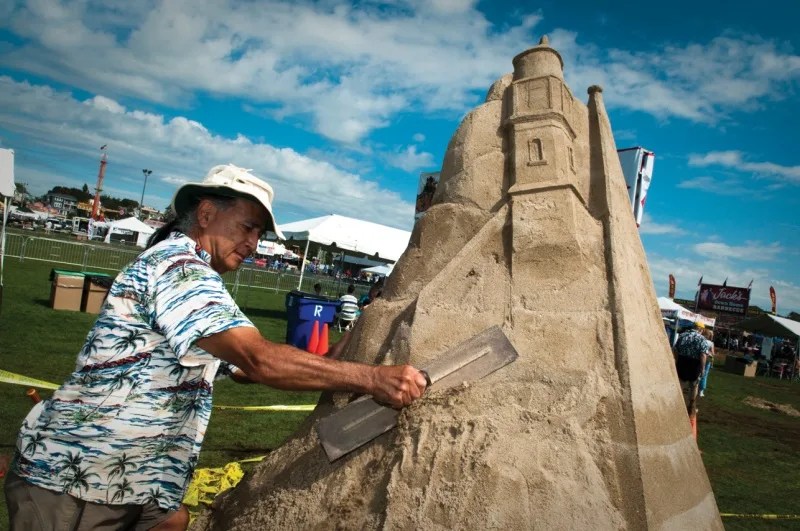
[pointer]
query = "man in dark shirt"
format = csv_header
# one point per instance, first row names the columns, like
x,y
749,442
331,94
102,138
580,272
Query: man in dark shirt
x,y
691,353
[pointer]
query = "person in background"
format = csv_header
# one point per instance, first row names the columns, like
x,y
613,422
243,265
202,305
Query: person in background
x,y
374,292
318,289
691,354
348,307
350,295
709,336
115,446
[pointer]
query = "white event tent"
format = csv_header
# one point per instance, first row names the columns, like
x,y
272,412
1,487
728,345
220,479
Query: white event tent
x,y
382,270
672,310
128,225
349,234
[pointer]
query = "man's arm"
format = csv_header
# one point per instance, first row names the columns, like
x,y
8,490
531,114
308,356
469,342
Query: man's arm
x,y
285,367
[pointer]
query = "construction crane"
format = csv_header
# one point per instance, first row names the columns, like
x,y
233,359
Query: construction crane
x,y
99,186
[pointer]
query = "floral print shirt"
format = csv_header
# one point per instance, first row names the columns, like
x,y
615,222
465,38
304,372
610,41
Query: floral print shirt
x,y
691,344
127,425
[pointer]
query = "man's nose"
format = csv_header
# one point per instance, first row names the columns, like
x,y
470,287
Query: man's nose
x,y
252,240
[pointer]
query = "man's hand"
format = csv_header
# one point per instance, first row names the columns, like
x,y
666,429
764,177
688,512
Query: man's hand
x,y
397,385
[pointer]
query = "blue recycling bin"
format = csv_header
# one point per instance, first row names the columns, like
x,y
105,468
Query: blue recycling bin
x,y
302,310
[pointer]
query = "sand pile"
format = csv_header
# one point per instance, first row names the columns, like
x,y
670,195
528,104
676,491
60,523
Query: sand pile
x,y
531,230
760,403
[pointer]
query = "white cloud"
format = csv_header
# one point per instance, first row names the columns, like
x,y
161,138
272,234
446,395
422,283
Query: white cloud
x,y
418,137
651,227
349,68
409,159
702,82
751,251
735,160
182,149
718,186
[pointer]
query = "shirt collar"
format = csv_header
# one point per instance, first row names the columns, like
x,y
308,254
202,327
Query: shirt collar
x,y
191,244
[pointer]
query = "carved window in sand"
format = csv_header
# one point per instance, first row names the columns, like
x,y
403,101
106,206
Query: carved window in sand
x,y
535,152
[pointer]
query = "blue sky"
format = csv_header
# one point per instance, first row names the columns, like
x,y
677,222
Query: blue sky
x,y
340,106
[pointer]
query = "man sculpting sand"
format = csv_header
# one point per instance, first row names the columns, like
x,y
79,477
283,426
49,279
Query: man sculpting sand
x,y
116,444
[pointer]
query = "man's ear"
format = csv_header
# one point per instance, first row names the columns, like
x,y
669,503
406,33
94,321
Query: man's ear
x,y
206,212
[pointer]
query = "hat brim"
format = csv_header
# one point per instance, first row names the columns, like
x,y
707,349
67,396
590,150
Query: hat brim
x,y
186,196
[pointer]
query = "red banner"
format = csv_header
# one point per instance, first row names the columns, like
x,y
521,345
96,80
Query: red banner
x,y
723,299
671,286
774,300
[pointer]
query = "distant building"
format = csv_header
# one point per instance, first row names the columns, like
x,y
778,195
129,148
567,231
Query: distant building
x,y
150,212
62,202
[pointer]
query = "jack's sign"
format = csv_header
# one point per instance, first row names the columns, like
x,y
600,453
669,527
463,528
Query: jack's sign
x,y
723,299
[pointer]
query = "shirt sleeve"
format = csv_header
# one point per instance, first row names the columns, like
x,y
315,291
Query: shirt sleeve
x,y
191,302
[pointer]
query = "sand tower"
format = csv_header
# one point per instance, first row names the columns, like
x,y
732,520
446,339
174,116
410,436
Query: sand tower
x,y
530,230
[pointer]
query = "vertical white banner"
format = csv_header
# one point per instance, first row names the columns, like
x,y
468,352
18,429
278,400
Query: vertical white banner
x,y
7,172
631,160
646,176
7,189
637,168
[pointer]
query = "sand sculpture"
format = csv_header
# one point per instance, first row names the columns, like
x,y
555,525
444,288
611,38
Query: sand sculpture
x,y
531,230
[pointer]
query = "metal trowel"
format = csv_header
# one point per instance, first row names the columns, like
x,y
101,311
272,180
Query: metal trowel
x,y
364,419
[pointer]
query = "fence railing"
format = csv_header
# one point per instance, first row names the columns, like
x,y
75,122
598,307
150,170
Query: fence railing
x,y
90,257
84,255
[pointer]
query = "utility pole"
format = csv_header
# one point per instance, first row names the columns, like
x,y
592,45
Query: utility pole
x,y
146,173
99,187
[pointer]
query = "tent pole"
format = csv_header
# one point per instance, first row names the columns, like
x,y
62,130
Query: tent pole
x,y
303,264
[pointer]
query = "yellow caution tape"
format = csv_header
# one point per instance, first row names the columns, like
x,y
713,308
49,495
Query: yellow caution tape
x,y
762,516
207,483
301,407
252,459
18,379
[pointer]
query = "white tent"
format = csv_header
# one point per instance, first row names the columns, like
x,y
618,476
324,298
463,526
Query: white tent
x,y
270,248
672,310
349,234
130,225
383,270
771,325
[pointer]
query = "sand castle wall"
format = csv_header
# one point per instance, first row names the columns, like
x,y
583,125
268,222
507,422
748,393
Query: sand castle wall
x,y
531,230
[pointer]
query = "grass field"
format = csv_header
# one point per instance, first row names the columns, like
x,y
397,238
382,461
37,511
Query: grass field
x,y
752,454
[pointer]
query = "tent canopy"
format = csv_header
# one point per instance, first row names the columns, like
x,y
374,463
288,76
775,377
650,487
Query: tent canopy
x,y
771,325
673,310
383,270
350,234
131,224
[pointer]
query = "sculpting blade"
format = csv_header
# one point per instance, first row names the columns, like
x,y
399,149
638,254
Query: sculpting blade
x,y
365,419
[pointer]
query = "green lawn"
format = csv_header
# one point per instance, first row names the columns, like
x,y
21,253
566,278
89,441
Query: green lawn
x,y
752,455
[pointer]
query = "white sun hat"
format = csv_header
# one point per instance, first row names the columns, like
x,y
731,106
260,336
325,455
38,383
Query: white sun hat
x,y
230,181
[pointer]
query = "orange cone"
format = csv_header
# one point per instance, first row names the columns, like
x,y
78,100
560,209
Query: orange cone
x,y
34,395
322,348
313,341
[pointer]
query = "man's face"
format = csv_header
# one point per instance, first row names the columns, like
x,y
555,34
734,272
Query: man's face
x,y
230,235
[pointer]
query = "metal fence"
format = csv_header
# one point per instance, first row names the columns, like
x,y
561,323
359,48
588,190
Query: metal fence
x,y
86,256
90,257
